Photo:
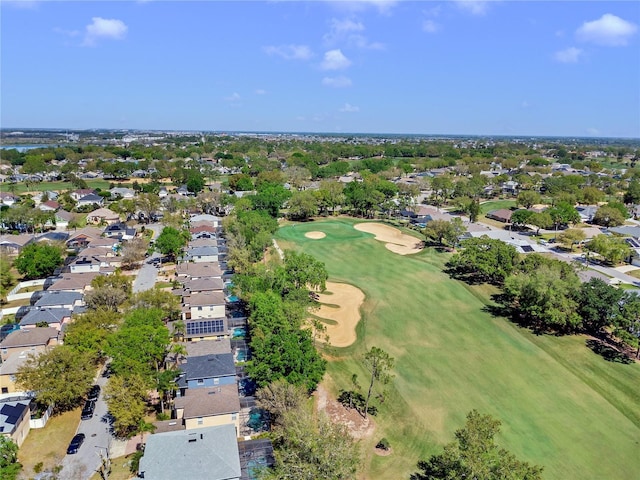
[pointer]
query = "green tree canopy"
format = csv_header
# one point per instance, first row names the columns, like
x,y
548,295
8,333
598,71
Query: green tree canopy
x,y
38,260
171,241
599,304
475,455
126,398
60,376
483,260
9,465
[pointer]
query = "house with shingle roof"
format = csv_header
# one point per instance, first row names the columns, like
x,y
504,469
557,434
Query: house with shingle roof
x,y
91,199
82,192
54,317
32,340
12,244
193,271
201,254
59,299
14,420
209,452
209,304
103,215
206,371
200,285
73,282
207,407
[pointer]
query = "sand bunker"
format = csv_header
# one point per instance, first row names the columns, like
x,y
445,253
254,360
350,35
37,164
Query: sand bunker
x,y
315,235
394,239
343,307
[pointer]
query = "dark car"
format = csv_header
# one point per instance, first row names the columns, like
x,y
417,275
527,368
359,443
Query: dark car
x,y
94,393
87,410
75,444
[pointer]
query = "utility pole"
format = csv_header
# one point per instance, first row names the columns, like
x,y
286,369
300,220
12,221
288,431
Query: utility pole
x,y
105,463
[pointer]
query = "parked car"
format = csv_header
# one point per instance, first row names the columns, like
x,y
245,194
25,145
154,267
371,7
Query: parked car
x,y
87,410
94,393
75,444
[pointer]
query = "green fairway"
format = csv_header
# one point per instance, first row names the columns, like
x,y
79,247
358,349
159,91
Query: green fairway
x,y
496,205
56,186
561,405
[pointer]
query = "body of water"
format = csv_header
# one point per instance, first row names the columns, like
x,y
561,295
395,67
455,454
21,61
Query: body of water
x,y
25,148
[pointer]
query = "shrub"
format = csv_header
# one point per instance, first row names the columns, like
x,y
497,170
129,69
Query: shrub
x,y
383,444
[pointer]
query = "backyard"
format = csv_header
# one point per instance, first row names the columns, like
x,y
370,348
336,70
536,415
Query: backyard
x,y
561,405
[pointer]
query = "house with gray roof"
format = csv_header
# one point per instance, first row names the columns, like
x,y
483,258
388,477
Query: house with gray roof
x,y
206,371
201,254
200,285
209,304
31,340
91,199
205,407
60,299
193,271
54,317
14,420
72,282
209,452
209,219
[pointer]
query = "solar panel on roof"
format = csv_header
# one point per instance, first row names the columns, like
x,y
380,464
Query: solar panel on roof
x,y
526,248
201,327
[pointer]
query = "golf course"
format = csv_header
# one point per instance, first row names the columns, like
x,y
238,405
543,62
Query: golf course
x,y
561,405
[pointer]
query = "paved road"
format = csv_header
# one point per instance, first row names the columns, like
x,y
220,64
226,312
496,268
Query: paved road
x,y
84,464
147,275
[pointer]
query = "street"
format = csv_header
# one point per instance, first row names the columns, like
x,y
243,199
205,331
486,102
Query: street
x,y
83,465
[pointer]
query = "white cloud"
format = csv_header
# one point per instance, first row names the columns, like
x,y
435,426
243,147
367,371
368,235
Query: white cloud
x,y
347,31
593,131
568,55
234,97
290,52
107,28
525,104
430,26
335,60
336,82
260,91
349,108
474,7
26,4
608,30
383,6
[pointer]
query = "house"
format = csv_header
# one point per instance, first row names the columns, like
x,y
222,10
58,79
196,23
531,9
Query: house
x,y
202,228
68,300
201,254
120,192
210,219
206,371
8,199
207,407
49,206
119,231
209,452
206,328
82,192
501,215
81,238
54,318
510,187
212,241
8,370
91,199
73,282
12,244
32,340
111,243
587,212
14,420
162,193
101,215
206,284
193,271
209,304
62,218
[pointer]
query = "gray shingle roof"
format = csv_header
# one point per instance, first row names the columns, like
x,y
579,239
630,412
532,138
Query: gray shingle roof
x,y
209,452
58,298
49,315
208,366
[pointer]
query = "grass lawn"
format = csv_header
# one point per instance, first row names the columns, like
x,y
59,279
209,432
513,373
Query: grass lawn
x,y
561,405
495,205
634,273
59,186
119,469
49,444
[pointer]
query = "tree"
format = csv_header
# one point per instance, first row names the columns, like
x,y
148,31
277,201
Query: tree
x,y
126,398
570,237
309,448
156,298
444,232
60,376
541,220
632,195
608,217
171,241
484,260
612,249
591,195
563,214
38,260
303,204
89,332
109,291
9,466
599,304
149,204
331,194
474,455
521,217
474,211
134,251
528,198
379,363
140,345
279,398
6,278
627,324
304,271
195,181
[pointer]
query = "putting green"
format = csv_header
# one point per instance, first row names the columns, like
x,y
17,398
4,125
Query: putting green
x,y
561,405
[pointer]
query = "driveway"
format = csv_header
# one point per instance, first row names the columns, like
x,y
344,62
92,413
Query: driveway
x,y
83,465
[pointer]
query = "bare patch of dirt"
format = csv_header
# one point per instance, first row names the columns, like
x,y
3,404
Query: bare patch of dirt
x,y
357,426
381,452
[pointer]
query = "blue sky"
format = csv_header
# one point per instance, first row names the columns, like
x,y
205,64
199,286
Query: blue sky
x,y
457,67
